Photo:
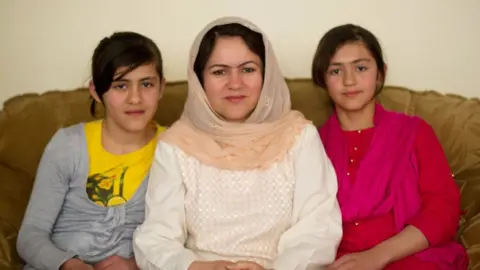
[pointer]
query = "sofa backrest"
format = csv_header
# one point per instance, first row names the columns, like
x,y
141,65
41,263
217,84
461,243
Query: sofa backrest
x,y
28,121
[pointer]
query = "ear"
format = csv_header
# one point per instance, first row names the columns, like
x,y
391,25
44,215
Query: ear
x,y
162,87
385,70
381,80
93,93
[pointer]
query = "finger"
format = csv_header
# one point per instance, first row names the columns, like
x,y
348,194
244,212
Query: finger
x,y
105,263
243,265
350,265
101,265
112,266
236,266
225,262
340,261
338,267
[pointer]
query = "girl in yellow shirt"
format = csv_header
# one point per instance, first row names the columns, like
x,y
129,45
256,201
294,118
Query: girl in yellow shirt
x,y
89,191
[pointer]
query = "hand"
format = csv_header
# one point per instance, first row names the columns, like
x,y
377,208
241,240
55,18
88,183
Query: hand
x,y
116,263
366,260
75,264
213,265
245,265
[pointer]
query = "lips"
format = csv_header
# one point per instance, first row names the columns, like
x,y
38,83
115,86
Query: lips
x,y
135,112
352,93
235,99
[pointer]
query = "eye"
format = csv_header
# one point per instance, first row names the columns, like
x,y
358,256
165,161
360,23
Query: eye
x,y
218,72
361,68
335,71
120,86
147,84
248,70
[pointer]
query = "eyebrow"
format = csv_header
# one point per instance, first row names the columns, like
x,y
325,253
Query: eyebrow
x,y
353,62
142,79
227,66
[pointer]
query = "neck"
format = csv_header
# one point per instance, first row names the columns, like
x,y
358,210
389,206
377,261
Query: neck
x,y
119,141
356,120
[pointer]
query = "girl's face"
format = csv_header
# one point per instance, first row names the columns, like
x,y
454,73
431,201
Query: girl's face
x,y
232,79
352,77
131,102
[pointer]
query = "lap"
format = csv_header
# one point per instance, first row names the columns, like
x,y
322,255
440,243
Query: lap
x,y
411,262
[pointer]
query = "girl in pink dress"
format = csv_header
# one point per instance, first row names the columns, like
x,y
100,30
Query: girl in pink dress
x,y
400,204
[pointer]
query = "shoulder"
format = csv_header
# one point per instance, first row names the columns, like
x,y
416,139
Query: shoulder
x,y
303,128
425,134
424,126
307,137
309,131
165,150
416,124
68,136
65,147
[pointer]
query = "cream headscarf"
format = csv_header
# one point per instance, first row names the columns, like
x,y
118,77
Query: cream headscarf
x,y
264,138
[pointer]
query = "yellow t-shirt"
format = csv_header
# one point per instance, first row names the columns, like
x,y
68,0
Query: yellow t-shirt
x,y
114,179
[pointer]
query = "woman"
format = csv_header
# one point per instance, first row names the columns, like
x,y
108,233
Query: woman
x,y
240,181
89,192
400,204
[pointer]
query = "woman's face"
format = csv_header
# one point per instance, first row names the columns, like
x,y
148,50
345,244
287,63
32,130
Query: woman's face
x,y
233,79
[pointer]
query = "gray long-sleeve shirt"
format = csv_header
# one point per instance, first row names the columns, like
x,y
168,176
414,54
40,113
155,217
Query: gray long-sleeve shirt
x,y
61,221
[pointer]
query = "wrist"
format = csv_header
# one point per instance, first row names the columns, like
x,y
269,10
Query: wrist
x,y
197,265
70,263
383,254
132,264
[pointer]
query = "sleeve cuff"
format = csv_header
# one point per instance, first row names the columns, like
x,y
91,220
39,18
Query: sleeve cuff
x,y
185,260
55,261
430,231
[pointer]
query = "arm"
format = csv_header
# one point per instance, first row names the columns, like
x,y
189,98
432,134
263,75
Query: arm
x,y
159,242
437,221
439,216
313,239
51,185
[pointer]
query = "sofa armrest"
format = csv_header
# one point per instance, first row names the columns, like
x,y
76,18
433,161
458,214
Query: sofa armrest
x,y
9,258
469,231
470,239
15,188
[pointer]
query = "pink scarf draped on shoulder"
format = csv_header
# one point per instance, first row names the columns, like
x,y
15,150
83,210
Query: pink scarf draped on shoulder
x,y
387,180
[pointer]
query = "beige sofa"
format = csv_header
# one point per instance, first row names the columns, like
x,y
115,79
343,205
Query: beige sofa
x,y
27,122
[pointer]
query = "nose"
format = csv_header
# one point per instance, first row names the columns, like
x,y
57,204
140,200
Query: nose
x,y
349,77
134,96
234,80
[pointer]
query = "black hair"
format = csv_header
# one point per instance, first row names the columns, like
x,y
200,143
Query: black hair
x,y
339,36
252,39
121,49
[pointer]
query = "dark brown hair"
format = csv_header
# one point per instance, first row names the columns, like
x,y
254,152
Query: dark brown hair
x,y
252,39
121,49
339,36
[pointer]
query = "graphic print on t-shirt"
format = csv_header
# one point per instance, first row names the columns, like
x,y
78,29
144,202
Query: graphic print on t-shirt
x,y
107,188
113,179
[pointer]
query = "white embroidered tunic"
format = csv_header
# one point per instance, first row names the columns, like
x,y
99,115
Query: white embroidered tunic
x,y
286,217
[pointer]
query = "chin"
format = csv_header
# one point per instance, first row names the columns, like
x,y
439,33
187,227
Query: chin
x,y
353,106
235,117
135,126
239,114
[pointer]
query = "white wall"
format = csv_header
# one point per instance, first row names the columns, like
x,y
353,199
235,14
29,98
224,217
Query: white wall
x,y
429,44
